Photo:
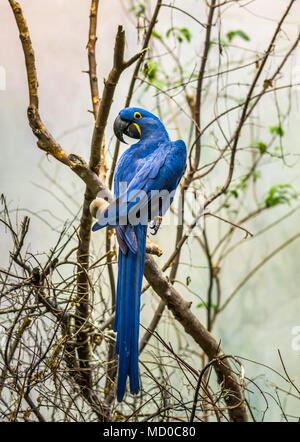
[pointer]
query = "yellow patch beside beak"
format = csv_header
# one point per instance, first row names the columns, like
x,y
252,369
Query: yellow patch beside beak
x,y
138,128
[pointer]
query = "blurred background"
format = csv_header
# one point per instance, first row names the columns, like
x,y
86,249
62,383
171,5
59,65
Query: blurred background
x,y
264,316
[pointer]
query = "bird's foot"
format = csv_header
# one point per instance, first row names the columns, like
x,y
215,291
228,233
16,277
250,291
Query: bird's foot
x,y
152,248
157,220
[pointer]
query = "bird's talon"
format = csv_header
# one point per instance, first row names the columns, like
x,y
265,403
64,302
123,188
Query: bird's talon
x,y
155,225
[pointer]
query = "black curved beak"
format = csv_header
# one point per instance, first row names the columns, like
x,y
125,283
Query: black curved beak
x,y
126,127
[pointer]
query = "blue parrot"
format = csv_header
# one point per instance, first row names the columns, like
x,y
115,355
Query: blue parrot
x,y
146,177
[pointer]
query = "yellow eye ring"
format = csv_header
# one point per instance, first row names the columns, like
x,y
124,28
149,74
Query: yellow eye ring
x,y
137,116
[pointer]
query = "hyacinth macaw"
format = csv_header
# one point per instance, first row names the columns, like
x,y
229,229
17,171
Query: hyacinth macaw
x,y
145,181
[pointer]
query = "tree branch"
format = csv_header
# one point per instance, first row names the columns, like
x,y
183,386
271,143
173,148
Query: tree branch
x,y
182,313
92,56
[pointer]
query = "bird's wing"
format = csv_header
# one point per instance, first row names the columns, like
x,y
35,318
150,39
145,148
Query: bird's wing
x,y
136,190
161,172
158,189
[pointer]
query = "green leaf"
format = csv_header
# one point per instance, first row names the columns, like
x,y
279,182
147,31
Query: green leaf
x,y
256,175
217,41
261,146
223,43
169,32
276,130
159,83
204,304
239,33
150,69
156,35
186,33
243,184
141,10
280,194
179,33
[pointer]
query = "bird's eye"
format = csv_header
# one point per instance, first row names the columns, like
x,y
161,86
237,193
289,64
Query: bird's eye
x,y
137,116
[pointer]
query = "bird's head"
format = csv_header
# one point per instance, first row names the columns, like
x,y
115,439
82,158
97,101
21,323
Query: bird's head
x,y
137,123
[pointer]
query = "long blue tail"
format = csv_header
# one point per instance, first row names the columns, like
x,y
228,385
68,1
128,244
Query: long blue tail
x,y
127,319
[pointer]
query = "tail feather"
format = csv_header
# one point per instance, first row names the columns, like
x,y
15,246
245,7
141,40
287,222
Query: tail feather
x,y
133,367
130,276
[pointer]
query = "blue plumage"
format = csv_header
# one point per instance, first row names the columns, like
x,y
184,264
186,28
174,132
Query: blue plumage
x,y
151,165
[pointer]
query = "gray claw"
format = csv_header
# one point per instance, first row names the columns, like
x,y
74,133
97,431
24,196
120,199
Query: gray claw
x,y
155,225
